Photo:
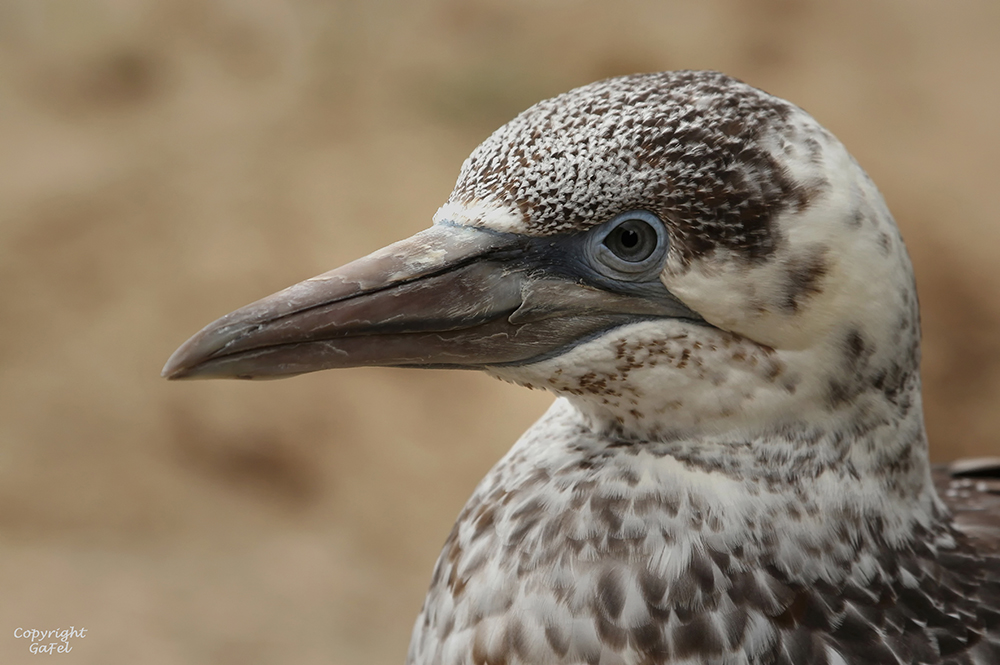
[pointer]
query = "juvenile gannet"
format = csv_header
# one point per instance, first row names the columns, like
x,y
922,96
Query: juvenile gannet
x,y
736,468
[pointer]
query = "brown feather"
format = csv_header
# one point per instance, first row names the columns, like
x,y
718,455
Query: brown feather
x,y
971,490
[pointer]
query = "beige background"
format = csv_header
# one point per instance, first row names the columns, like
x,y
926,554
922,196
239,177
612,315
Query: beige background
x,y
162,163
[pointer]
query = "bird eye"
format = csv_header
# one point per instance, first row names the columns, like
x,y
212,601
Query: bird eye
x,y
632,246
633,240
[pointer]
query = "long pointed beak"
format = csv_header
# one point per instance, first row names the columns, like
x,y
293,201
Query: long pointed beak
x,y
452,295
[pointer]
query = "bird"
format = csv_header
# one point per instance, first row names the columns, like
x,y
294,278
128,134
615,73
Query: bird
x,y
735,468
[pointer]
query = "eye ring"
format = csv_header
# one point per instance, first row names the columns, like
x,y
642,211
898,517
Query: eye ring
x,y
631,246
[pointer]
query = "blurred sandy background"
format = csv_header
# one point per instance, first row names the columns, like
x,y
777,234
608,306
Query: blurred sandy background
x,y
162,163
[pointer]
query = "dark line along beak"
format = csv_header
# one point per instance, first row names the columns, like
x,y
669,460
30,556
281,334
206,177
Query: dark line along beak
x,y
451,295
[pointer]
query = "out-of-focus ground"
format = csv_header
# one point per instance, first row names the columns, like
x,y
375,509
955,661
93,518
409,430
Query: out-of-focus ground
x,y
162,163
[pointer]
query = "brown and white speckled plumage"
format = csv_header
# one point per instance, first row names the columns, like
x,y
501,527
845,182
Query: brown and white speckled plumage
x,y
736,469
757,492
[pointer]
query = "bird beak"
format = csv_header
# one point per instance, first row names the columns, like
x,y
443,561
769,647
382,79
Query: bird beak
x,y
449,296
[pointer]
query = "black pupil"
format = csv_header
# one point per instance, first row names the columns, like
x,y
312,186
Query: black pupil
x,y
634,241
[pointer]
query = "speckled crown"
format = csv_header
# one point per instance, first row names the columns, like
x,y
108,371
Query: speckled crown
x,y
700,149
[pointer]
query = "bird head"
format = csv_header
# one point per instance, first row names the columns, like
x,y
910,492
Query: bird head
x,y
670,251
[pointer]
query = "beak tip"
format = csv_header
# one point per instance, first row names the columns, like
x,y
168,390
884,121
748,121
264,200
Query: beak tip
x,y
189,356
174,369
196,359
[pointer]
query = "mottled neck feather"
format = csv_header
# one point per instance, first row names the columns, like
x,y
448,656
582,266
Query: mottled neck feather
x,y
814,445
816,504
579,544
